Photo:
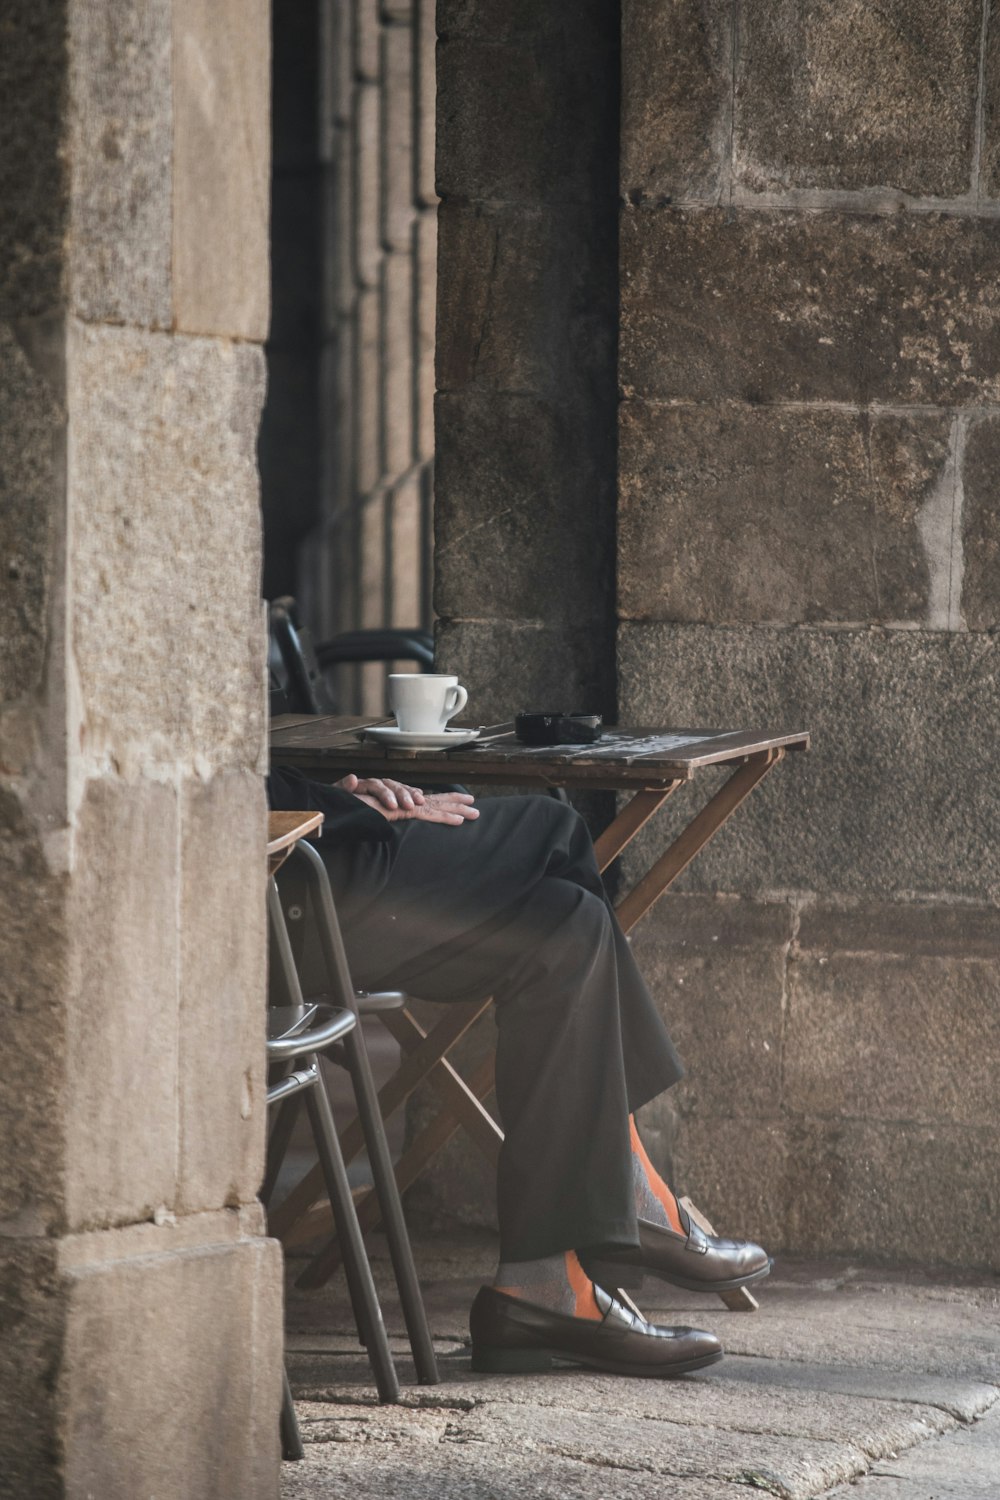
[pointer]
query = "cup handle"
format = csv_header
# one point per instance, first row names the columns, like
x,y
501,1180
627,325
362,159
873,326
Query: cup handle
x,y
461,699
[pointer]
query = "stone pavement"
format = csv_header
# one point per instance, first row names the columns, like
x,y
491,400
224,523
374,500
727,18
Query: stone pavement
x,y
848,1373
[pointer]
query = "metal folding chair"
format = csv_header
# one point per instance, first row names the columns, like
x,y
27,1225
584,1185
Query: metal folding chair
x,y
369,1130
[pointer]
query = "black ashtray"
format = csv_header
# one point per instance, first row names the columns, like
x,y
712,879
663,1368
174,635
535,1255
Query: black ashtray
x,y
558,728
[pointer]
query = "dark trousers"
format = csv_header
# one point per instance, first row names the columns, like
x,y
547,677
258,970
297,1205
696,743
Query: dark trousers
x,y
512,906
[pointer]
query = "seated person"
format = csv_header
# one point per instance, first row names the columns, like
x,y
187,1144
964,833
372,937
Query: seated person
x,y
452,900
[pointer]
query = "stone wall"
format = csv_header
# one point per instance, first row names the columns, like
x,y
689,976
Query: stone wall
x,y
805,534
138,1297
808,534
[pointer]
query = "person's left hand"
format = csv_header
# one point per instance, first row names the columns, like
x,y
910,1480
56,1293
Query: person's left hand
x,y
391,795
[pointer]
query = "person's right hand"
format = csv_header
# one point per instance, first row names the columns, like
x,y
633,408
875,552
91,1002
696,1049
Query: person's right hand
x,y
454,808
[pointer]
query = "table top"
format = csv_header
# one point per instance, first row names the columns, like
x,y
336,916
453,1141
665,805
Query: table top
x,y
332,745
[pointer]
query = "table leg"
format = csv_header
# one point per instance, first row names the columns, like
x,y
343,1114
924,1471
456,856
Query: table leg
x,y
634,815
695,836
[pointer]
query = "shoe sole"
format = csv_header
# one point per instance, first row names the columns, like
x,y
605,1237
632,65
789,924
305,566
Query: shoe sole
x,y
492,1361
632,1277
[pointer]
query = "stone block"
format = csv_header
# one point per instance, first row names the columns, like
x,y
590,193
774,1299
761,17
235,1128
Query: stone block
x,y
508,665
336,81
366,39
989,182
32,477
122,1025
222,88
171,1375
734,1171
896,796
425,297
121,81
223,978
527,123
773,515
164,495
980,525
32,1316
425,44
892,1192
397,147
716,967
369,458
367,175
675,115
857,96
518,479
34,166
810,307
526,301
407,529
907,1036
397,356
337,268
33,962
371,543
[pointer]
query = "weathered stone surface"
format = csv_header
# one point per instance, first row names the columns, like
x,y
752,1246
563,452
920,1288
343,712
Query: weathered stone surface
x,y
34,170
366,38
519,20
866,1188
734,1169
895,796
774,306
527,300
425,269
961,1466
990,156
32,473
367,175
880,1035
163,488
518,480
222,149
770,515
171,1374
676,98
716,968
32,1316
223,961
508,665
33,966
397,146
980,595
122,1027
425,45
397,353
854,96
406,512
368,391
525,123
121,85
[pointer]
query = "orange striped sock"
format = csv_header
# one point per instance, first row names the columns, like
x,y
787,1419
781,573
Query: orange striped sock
x,y
558,1282
648,1178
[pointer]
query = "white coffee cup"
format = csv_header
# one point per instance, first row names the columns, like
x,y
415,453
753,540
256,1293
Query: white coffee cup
x,y
424,702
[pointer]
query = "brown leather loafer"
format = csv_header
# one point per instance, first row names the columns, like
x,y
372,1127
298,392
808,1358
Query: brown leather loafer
x,y
696,1261
512,1337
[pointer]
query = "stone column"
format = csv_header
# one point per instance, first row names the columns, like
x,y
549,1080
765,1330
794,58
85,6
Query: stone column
x,y
808,533
139,1300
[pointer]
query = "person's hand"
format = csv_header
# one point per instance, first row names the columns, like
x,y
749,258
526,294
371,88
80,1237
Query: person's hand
x,y
397,802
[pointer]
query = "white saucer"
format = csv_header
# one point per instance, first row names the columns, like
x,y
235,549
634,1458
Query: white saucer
x,y
411,739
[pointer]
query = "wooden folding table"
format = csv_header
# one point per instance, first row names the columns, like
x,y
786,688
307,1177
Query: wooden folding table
x,y
647,764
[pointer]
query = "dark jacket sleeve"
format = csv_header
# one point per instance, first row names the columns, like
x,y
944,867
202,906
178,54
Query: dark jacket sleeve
x,y
346,819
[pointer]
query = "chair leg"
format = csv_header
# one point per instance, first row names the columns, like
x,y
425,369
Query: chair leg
x,y
366,1098
291,1437
367,1309
277,1145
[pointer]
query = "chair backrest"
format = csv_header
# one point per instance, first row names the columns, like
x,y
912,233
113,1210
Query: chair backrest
x,y
297,682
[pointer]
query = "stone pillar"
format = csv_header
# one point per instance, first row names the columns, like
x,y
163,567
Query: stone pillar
x,y
139,1301
527,306
808,533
